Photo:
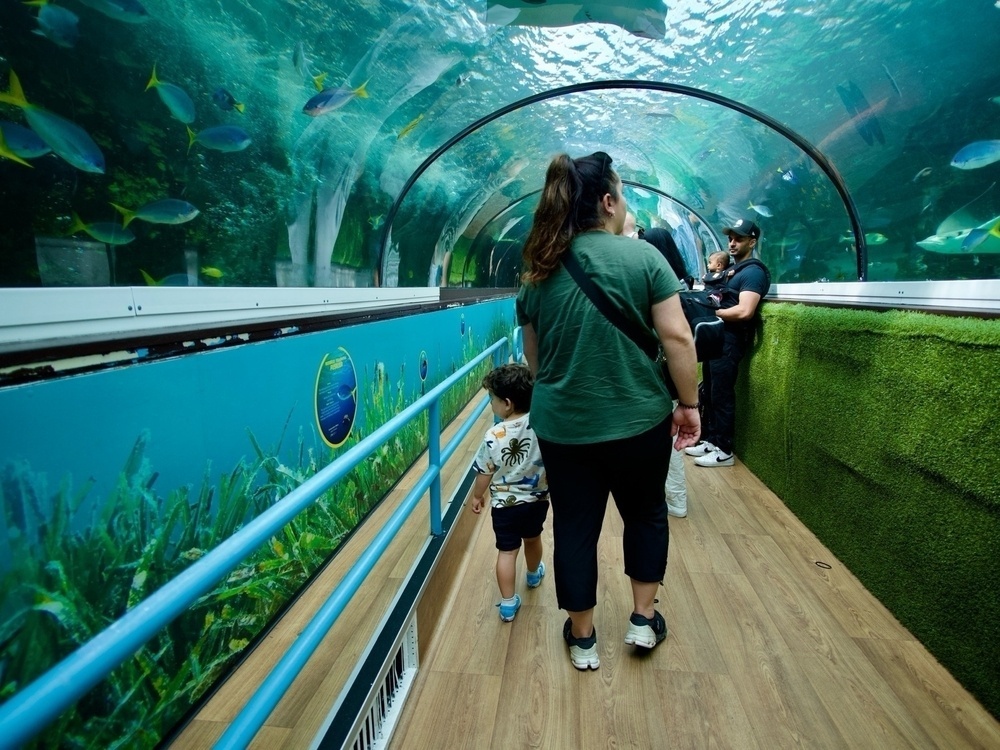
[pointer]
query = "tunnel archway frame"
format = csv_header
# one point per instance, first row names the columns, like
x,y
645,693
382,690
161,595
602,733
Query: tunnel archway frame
x,y
671,88
631,183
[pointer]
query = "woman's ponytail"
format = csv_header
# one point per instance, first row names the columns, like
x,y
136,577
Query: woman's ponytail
x,y
569,204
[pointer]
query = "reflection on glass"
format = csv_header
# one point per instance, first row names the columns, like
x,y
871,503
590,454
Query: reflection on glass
x,y
253,144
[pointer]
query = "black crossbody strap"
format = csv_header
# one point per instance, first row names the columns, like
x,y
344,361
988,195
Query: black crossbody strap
x,y
615,316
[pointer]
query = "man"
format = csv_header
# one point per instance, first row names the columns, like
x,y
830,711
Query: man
x,y
745,287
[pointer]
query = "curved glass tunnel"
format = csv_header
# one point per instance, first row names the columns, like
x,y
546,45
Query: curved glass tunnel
x,y
240,146
894,95
769,178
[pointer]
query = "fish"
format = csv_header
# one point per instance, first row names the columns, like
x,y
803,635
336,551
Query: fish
x,y
957,221
690,119
409,126
211,272
789,176
921,174
862,113
871,238
791,244
57,24
176,99
976,155
853,122
983,239
69,141
462,79
895,86
762,210
226,101
376,221
129,11
662,113
974,239
995,99
980,234
330,99
8,153
225,138
103,231
165,211
304,67
22,141
880,218
173,279
962,217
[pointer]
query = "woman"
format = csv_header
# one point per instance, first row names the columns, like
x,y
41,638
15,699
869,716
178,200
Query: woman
x,y
663,241
600,408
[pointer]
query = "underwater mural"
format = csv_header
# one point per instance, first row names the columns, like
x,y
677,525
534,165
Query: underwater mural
x,y
118,479
268,143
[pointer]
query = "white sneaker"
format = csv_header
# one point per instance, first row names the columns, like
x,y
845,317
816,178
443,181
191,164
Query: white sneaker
x,y
700,449
678,508
716,458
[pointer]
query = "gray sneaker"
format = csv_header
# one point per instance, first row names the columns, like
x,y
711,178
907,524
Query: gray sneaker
x,y
582,651
646,632
700,449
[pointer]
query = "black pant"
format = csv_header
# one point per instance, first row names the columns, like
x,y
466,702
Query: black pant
x,y
719,391
580,478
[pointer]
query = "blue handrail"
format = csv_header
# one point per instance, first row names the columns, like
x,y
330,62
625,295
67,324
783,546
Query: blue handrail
x,y
32,709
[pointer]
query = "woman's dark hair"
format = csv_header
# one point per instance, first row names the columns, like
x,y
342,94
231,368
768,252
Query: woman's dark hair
x,y
663,241
570,204
511,381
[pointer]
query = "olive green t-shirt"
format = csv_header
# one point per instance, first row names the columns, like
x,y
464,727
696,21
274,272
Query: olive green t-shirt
x,y
593,383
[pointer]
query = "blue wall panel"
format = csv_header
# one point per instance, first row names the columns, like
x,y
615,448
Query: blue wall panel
x,y
196,410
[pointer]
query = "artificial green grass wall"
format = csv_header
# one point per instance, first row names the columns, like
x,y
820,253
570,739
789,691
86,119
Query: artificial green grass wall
x,y
881,431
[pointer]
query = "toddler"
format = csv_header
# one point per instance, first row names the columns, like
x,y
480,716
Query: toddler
x,y
509,465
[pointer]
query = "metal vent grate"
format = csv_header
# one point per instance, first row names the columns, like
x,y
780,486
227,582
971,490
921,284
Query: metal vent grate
x,y
387,703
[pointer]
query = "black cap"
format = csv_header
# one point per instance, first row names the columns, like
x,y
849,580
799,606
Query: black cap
x,y
745,227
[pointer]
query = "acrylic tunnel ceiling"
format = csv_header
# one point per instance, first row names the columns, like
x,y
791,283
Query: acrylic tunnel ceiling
x,y
267,143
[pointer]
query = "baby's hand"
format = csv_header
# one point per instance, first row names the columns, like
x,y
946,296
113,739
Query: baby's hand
x,y
477,504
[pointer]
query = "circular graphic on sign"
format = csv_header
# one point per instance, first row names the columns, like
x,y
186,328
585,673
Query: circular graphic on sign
x,y
336,397
423,366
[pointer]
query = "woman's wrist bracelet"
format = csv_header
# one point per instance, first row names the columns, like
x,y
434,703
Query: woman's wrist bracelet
x,y
682,405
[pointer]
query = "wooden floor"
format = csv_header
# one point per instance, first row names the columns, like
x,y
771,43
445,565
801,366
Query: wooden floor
x,y
772,644
766,649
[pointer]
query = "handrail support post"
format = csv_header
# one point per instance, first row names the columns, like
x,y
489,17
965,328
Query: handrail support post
x,y
434,459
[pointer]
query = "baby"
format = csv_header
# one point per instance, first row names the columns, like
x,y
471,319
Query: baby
x,y
718,273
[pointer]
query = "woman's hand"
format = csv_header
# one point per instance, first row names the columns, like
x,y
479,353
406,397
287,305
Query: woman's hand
x,y
687,427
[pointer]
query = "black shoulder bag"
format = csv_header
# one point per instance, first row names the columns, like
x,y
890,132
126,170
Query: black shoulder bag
x,y
617,318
